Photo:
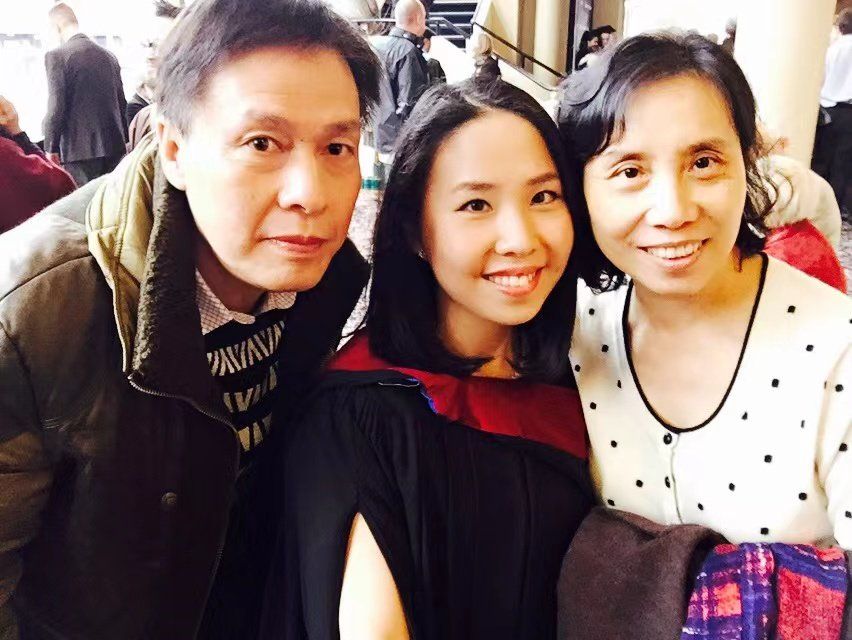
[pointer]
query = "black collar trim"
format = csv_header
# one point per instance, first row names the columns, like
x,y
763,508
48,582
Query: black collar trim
x,y
625,332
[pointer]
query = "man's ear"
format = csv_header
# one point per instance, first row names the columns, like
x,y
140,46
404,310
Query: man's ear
x,y
171,145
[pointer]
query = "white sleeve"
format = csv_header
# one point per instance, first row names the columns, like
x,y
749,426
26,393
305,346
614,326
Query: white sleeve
x,y
834,462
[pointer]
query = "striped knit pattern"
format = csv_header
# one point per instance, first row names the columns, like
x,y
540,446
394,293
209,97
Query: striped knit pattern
x,y
243,359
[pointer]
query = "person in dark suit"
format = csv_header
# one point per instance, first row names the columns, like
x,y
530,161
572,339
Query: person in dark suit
x,y
85,127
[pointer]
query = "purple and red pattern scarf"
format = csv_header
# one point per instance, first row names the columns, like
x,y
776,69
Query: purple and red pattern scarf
x,y
760,591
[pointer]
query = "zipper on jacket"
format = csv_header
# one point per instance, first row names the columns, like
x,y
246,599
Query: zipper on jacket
x,y
194,405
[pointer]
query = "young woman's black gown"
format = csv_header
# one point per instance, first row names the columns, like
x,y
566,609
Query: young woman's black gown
x,y
472,487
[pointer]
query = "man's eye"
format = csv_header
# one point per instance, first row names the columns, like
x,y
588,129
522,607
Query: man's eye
x,y
545,197
477,206
339,149
261,143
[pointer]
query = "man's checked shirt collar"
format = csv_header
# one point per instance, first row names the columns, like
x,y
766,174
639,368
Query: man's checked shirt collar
x,y
214,314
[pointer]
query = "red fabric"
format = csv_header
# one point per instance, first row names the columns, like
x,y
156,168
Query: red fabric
x,y
28,183
762,591
489,404
806,609
803,246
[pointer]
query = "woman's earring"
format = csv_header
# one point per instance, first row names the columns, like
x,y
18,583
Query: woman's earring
x,y
421,255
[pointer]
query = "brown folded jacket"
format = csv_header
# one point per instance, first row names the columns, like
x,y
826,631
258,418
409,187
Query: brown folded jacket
x,y
627,578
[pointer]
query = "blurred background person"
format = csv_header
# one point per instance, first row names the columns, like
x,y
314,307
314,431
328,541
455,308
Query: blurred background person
x,y
607,35
833,158
599,39
165,13
141,119
406,71
589,43
602,37
803,223
28,180
85,126
730,36
436,71
485,65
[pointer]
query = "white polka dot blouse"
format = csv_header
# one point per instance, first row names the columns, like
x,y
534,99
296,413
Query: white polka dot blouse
x,y
772,464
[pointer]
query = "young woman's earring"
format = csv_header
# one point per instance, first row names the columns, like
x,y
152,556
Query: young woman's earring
x,y
420,254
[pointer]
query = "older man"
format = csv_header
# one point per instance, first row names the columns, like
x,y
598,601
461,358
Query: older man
x,y
153,323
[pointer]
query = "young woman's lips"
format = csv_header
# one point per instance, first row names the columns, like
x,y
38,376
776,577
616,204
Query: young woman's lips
x,y
515,282
675,257
298,245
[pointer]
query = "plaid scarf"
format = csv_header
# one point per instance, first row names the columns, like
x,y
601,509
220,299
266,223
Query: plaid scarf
x,y
768,591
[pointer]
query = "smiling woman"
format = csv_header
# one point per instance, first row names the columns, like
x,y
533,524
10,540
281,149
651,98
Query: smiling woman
x,y
655,182
440,213
716,383
497,247
454,411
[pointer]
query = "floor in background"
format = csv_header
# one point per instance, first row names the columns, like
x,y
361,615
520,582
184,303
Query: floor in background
x,y
361,233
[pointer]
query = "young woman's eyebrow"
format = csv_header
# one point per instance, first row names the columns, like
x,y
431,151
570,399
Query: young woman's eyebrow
x,y
544,178
473,186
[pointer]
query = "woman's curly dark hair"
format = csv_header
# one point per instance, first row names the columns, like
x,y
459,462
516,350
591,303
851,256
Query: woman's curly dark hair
x,y
592,111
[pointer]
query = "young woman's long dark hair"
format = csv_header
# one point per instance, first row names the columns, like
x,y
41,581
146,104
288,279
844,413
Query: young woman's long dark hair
x,y
402,316
594,103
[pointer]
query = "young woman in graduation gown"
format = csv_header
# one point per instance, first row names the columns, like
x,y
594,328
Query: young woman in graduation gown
x,y
434,482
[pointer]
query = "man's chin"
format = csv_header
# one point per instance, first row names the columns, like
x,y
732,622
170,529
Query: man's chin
x,y
297,283
277,274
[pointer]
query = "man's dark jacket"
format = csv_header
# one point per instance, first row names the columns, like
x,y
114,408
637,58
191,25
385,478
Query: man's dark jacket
x,y
117,455
86,104
406,78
